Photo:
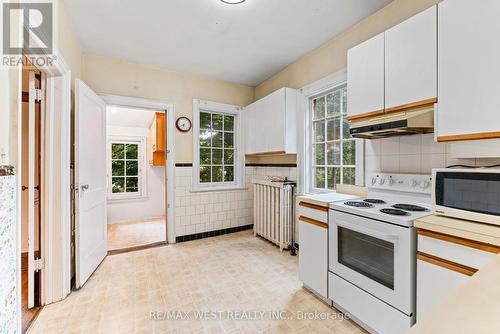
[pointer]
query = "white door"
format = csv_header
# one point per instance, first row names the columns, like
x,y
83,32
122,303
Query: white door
x,y
31,190
365,77
411,60
90,179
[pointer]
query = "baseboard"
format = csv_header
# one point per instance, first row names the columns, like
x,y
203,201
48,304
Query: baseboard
x,y
202,235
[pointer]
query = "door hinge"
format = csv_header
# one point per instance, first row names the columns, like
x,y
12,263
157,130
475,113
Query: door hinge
x,y
39,94
39,265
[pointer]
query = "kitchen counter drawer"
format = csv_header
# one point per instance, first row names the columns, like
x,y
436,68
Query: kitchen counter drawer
x,y
312,211
465,252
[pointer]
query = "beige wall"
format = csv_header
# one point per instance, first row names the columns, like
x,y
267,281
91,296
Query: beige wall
x,y
332,56
118,77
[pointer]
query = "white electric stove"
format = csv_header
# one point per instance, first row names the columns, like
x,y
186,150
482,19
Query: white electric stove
x,y
372,251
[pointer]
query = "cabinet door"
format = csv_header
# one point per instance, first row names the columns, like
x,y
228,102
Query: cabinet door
x,y
313,261
434,284
274,121
411,60
468,70
365,77
249,128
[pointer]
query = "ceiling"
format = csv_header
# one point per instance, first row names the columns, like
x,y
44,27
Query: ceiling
x,y
245,43
131,117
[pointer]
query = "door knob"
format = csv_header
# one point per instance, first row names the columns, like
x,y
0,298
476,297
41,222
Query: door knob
x,y
84,187
23,188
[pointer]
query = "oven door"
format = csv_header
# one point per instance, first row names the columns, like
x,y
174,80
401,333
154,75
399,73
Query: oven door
x,y
471,194
375,256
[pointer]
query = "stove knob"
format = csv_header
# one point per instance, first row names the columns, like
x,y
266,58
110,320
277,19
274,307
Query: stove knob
x,y
374,180
391,181
381,182
414,183
425,184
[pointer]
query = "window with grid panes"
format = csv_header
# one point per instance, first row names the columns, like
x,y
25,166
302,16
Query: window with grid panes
x,y
334,150
217,147
124,167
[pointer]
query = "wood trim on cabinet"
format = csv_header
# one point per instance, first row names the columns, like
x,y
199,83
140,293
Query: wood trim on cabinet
x,y
365,115
313,206
412,105
457,267
395,109
267,153
471,136
460,241
313,222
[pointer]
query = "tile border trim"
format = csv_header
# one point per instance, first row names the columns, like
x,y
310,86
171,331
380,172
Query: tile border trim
x,y
209,234
247,165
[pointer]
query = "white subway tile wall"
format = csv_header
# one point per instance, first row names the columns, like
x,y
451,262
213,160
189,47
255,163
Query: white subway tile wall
x,y
417,154
197,212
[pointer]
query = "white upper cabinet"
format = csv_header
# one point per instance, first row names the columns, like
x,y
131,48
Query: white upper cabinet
x,y
365,77
468,70
270,124
411,60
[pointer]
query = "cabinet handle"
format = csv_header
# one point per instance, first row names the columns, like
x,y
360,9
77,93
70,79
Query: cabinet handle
x,y
450,265
313,222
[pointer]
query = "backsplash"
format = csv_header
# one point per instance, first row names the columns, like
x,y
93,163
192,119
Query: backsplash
x,y
198,212
8,255
417,154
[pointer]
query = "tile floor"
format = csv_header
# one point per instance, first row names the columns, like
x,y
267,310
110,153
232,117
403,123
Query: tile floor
x,y
138,233
234,272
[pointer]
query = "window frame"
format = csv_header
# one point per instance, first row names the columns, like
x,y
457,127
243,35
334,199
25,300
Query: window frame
x,y
306,161
200,106
142,173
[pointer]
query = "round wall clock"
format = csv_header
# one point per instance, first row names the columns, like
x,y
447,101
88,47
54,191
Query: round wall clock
x,y
183,124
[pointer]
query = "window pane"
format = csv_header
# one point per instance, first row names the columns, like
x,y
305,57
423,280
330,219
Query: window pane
x,y
216,157
205,156
118,184
217,121
228,123
319,177
228,157
228,140
228,174
319,108
205,120
344,100
132,184
333,104
117,151
217,174
349,175
349,152
319,131
333,153
333,177
205,138
132,168
319,154
346,127
217,139
205,174
118,168
333,129
132,151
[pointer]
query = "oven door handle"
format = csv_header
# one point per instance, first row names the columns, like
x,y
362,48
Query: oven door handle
x,y
368,231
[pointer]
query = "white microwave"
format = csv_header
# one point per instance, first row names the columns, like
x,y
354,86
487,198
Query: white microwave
x,y
471,194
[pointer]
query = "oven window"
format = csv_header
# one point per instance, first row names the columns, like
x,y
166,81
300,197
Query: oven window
x,y
369,256
477,192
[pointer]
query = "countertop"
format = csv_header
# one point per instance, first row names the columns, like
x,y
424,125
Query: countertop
x,y
475,306
325,199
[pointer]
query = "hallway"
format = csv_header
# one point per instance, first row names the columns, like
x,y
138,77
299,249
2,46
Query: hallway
x,y
234,272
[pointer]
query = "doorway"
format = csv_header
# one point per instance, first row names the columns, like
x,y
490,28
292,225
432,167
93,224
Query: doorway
x,y
136,177
31,189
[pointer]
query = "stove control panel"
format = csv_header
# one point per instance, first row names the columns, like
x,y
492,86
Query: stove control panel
x,y
415,183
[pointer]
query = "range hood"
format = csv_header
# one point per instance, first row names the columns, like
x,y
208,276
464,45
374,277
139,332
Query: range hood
x,y
416,121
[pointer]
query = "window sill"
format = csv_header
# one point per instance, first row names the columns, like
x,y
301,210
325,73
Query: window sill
x,y
215,189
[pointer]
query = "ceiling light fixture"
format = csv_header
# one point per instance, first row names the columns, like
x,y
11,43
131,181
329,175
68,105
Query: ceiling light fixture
x,y
233,2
